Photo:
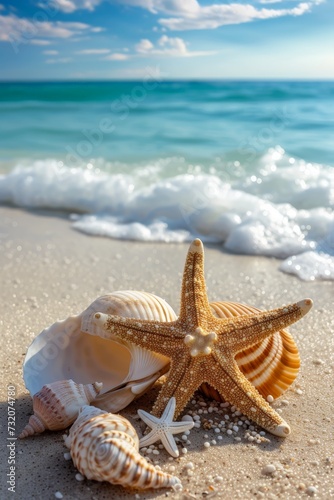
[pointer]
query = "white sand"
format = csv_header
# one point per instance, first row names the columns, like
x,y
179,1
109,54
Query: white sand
x,y
50,272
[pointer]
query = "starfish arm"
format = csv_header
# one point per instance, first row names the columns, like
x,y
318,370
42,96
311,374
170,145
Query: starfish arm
x,y
239,392
149,419
183,380
178,427
195,306
170,445
150,438
166,438
244,331
161,337
169,411
180,365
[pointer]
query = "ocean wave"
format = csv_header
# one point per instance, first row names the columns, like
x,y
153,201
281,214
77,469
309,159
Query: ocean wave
x,y
283,208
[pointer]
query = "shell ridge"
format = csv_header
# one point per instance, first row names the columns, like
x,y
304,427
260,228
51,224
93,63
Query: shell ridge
x,y
266,357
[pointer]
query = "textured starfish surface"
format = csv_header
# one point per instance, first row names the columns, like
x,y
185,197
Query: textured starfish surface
x,y
163,429
202,347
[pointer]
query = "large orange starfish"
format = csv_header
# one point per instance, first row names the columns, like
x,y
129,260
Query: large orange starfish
x,y
202,347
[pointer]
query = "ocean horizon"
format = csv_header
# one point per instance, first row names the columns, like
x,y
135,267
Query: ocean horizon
x,y
247,164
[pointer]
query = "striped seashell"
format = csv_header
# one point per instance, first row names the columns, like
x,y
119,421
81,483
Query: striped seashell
x,y
105,447
57,405
271,366
76,348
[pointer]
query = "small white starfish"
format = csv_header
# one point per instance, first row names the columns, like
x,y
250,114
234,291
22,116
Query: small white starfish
x,y
164,428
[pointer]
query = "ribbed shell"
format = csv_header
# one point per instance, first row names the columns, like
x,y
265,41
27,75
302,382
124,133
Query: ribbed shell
x,y
57,405
271,366
104,447
75,348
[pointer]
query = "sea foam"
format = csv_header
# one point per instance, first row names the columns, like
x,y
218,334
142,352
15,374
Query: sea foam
x,y
283,208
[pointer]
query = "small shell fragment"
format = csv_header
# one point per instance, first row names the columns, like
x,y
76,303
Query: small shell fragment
x,y
269,469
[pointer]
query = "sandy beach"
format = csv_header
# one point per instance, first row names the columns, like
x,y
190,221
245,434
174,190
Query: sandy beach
x,y
49,271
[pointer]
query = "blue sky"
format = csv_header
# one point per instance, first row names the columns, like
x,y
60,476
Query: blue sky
x,y
124,39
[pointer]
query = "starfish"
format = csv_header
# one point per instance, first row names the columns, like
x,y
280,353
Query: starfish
x,y
164,428
202,347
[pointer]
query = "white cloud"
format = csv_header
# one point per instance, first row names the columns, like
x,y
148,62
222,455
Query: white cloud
x,y
214,16
2,7
169,47
190,15
69,6
50,52
165,47
93,51
59,60
166,6
172,46
117,56
18,30
144,46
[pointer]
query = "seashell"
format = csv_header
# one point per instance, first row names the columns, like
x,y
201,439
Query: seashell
x,y
105,447
75,348
271,366
57,405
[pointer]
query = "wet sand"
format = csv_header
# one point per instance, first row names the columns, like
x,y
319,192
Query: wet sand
x,y
49,271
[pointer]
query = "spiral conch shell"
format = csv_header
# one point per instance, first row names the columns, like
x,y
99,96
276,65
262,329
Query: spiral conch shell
x,y
74,348
57,405
271,366
105,447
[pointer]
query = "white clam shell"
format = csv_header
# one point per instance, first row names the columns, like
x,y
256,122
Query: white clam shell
x,y
74,349
105,447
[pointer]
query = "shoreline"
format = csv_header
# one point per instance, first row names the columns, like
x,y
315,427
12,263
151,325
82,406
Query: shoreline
x,y
50,271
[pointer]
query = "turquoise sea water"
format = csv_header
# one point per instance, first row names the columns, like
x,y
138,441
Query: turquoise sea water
x,y
248,165
196,120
